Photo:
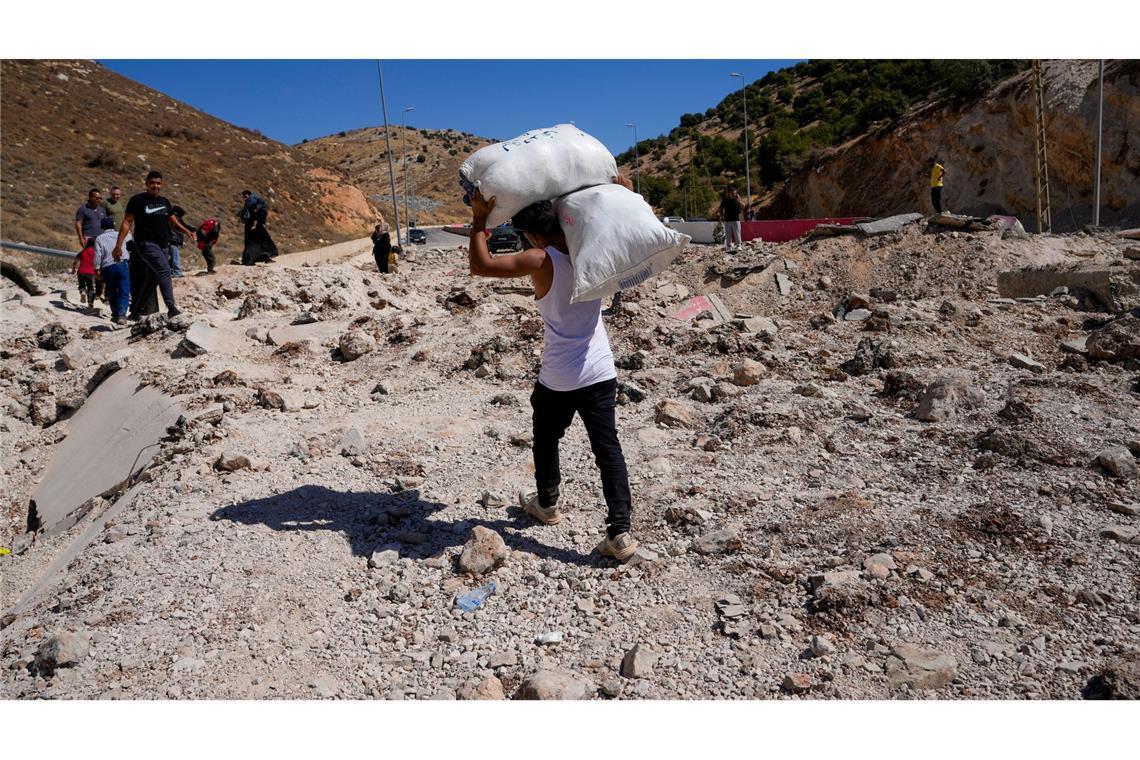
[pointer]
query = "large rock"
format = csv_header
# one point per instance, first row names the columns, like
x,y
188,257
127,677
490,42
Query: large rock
x,y
52,337
1119,461
720,541
201,338
638,662
1117,341
748,372
675,414
355,344
946,397
920,668
487,689
286,401
483,551
555,684
62,650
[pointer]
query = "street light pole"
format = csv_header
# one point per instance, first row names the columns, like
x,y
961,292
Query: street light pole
x,y
1099,131
404,127
388,145
747,174
636,160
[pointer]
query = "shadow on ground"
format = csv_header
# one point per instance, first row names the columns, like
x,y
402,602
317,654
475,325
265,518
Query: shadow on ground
x,y
376,521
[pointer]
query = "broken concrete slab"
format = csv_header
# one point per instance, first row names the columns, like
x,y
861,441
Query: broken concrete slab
x,y
783,283
888,224
112,437
201,338
1117,289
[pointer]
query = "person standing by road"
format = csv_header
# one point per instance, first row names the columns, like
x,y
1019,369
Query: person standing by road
x,y
115,206
88,216
577,372
729,214
114,274
152,216
381,247
937,180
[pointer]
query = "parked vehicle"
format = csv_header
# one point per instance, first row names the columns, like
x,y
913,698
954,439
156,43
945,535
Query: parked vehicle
x,y
504,238
673,220
416,235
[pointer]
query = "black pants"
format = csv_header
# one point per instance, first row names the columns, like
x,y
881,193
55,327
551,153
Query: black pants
x,y
208,255
936,199
553,413
87,287
158,264
380,253
143,284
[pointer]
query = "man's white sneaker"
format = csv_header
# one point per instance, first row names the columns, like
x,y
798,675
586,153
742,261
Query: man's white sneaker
x,y
545,515
621,547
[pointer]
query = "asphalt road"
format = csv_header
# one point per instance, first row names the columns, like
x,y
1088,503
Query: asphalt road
x,y
437,238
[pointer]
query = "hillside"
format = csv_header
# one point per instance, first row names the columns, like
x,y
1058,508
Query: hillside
x,y
433,159
819,131
72,125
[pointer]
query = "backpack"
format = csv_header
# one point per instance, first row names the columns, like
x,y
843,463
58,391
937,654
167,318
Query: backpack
x,y
207,232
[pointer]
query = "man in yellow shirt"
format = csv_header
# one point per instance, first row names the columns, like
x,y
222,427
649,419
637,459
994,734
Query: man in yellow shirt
x,y
937,175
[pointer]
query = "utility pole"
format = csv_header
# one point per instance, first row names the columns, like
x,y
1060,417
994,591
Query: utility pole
x,y
636,161
1041,156
1099,133
388,143
404,141
747,174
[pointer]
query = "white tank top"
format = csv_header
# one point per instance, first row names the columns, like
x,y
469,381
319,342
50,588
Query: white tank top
x,y
576,350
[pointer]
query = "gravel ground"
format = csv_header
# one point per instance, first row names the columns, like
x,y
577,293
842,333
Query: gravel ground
x,y
877,509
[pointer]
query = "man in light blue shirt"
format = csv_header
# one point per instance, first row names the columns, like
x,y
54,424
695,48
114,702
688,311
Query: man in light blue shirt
x,y
115,274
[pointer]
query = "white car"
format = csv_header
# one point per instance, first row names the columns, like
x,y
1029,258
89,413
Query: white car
x,y
672,220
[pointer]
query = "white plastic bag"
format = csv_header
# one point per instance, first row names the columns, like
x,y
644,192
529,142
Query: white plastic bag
x,y
537,166
615,240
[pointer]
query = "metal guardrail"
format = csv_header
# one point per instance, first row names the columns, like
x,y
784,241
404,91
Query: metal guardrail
x,y
37,249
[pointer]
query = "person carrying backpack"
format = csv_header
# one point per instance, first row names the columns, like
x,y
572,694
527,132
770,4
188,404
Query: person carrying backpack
x,y
207,235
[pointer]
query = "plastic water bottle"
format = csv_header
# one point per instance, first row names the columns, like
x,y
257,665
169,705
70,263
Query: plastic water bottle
x,y
474,598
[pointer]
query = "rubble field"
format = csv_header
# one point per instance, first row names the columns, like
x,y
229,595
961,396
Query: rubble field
x,y
859,472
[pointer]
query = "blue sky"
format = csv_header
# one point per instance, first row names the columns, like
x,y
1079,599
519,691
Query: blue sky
x,y
293,100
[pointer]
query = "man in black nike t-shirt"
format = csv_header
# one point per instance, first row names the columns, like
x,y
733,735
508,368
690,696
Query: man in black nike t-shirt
x,y
152,216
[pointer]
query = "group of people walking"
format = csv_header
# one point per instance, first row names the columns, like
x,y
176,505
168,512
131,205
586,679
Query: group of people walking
x,y
131,251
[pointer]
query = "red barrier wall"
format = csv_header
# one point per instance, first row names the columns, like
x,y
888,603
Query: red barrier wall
x,y
783,230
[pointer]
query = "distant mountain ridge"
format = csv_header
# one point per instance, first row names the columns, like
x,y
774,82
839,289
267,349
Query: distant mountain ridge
x,y
71,125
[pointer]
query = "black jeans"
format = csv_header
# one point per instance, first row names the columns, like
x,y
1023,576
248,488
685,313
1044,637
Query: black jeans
x,y
553,413
156,260
936,199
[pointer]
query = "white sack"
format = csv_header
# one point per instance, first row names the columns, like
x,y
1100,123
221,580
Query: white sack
x,y
537,166
615,240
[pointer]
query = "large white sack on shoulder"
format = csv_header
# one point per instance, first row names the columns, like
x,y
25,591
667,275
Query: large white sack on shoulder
x,y
615,240
537,166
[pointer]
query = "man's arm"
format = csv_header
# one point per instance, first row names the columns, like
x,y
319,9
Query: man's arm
x,y
482,263
178,225
79,229
124,228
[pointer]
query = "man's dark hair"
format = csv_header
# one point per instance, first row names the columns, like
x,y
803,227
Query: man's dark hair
x,y
153,174
106,223
537,217
115,187
92,191
178,211
246,193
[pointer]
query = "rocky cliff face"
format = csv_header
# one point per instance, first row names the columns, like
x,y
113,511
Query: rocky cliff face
x,y
987,149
